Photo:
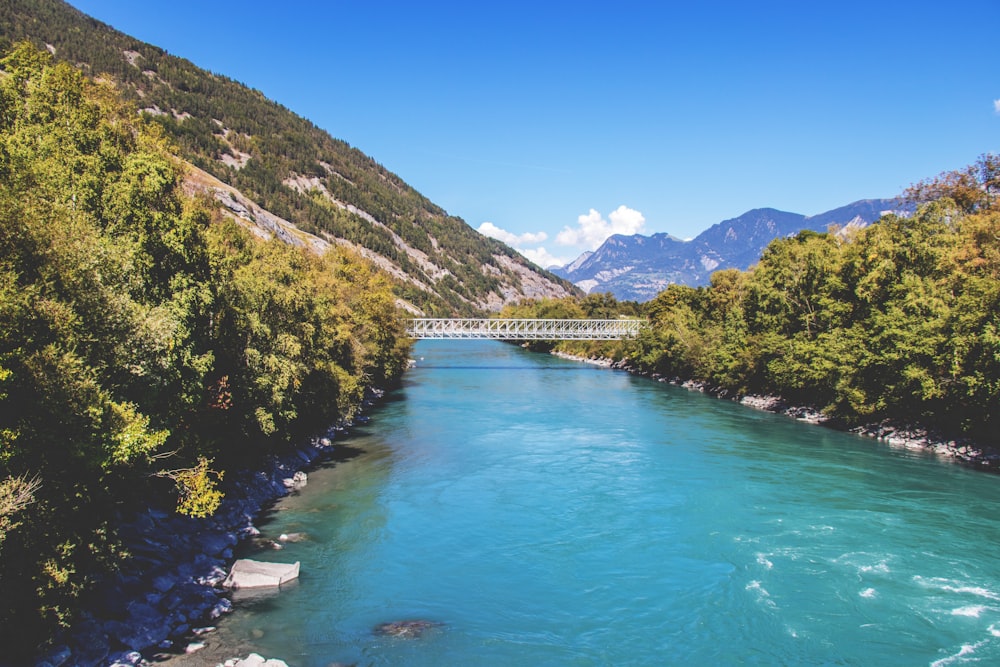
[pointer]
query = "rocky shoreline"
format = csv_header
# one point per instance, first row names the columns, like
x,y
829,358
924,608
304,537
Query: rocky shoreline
x,y
164,599
904,436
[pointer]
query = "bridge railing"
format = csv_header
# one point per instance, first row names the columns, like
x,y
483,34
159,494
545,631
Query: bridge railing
x,y
521,329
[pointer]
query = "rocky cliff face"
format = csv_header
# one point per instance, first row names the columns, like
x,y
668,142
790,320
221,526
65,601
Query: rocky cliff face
x,y
287,178
639,267
515,278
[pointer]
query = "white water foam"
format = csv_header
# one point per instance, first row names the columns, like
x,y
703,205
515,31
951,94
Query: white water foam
x,y
762,595
972,611
868,593
762,560
866,563
951,587
878,568
822,528
966,650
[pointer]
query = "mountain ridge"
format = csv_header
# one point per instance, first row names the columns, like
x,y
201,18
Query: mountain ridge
x,y
638,267
291,169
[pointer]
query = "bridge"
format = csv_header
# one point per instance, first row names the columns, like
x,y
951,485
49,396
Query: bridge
x,y
522,329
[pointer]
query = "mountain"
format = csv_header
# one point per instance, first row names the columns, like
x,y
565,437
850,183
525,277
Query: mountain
x,y
280,174
638,267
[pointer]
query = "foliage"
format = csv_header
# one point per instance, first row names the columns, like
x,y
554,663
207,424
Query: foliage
x,y
197,489
259,147
16,494
144,336
898,321
591,307
972,189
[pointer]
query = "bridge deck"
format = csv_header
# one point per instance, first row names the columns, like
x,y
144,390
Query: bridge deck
x,y
521,329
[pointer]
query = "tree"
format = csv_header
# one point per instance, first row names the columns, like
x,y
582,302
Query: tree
x,y
971,188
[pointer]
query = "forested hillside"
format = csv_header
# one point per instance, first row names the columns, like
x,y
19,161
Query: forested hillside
x,y
899,320
290,168
147,342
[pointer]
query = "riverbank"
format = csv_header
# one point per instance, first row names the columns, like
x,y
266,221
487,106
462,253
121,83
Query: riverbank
x,y
166,595
894,434
720,517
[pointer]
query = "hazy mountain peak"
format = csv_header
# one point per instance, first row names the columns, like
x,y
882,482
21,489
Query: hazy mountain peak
x,y
639,267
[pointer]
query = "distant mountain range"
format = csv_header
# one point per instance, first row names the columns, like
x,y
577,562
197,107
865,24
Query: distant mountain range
x,y
639,267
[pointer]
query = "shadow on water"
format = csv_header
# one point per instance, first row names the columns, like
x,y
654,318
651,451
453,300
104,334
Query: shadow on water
x,y
395,396
340,454
265,543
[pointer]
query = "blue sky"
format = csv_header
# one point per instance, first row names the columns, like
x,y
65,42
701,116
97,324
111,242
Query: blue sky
x,y
560,122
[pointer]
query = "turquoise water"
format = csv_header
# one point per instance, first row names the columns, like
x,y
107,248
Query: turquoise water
x,y
552,513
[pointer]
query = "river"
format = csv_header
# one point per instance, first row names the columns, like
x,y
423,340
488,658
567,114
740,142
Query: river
x,y
548,512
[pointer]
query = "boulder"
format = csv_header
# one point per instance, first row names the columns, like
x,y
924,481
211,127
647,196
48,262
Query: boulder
x,y
223,606
248,573
411,629
257,660
252,660
296,481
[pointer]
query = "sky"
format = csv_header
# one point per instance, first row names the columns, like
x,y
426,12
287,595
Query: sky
x,y
551,125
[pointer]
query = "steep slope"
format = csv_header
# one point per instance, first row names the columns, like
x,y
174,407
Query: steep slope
x,y
289,169
639,267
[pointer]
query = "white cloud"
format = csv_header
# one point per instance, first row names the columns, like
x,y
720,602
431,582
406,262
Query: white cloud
x,y
594,229
591,226
539,255
491,230
591,231
996,105
627,221
543,257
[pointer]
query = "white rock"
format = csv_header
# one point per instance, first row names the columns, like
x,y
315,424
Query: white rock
x,y
296,481
221,607
252,660
248,573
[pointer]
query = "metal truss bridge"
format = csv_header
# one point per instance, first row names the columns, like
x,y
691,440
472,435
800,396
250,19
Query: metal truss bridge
x,y
522,329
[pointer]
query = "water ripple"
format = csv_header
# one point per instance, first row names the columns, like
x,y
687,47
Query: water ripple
x,y
592,518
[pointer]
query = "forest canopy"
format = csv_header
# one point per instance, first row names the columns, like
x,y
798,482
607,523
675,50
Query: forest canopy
x,y
288,166
899,320
147,344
